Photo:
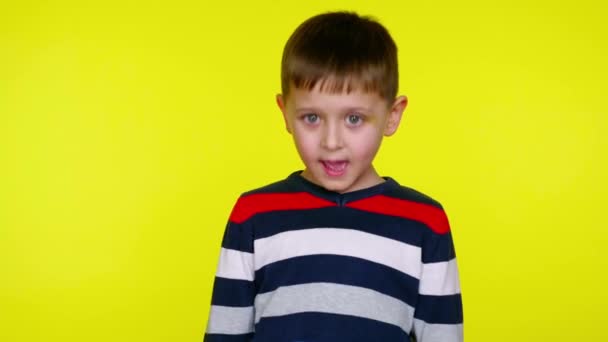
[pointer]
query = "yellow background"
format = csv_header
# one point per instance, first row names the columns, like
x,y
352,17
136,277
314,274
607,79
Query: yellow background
x,y
128,129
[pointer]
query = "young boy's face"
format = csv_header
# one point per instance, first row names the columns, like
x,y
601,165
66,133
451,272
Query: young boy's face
x,y
338,134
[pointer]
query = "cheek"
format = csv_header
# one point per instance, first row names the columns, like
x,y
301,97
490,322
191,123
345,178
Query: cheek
x,y
365,146
305,144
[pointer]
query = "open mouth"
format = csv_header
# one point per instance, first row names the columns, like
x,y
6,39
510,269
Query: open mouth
x,y
334,168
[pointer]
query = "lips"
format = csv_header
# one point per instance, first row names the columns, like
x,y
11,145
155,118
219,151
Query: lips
x,y
334,167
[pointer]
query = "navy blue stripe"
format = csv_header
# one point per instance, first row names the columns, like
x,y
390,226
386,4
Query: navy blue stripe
x,y
440,309
228,338
238,236
437,248
281,186
232,292
341,270
323,327
409,194
396,228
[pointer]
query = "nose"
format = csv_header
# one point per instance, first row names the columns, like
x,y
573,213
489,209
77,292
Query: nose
x,y
332,137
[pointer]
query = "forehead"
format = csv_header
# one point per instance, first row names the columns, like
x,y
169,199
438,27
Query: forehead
x,y
329,99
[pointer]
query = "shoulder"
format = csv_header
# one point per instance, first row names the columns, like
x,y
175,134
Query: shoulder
x,y
407,203
280,186
410,194
274,197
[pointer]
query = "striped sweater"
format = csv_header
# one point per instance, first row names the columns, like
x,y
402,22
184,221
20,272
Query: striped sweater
x,y
300,263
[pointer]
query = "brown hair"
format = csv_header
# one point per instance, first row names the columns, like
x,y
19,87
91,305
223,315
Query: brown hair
x,y
343,51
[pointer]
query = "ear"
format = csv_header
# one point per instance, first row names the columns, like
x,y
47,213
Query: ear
x,y
281,104
394,116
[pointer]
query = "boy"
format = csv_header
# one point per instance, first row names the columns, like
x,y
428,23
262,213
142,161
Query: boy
x,y
335,252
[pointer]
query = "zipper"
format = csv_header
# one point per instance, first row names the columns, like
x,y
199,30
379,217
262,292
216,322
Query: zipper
x,y
341,200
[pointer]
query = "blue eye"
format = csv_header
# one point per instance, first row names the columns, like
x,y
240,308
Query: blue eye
x,y
311,118
354,119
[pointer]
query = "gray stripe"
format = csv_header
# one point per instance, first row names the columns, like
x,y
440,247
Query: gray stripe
x,y
438,332
335,299
230,320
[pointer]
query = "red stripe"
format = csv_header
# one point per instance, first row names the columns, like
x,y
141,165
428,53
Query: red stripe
x,y
435,218
250,205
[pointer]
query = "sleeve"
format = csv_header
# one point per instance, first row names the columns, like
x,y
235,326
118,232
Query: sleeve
x,y
231,318
438,315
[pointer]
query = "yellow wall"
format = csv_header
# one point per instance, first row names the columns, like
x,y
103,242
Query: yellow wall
x,y
127,130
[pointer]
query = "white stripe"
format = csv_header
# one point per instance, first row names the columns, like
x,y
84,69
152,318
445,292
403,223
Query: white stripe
x,y
230,320
335,299
440,279
425,332
337,241
235,264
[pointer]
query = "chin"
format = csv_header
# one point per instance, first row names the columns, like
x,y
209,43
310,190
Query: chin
x,y
340,185
337,186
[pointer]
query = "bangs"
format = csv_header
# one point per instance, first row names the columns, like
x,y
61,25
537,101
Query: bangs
x,y
330,79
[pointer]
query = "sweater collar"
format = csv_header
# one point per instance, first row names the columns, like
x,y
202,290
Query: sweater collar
x,y
304,184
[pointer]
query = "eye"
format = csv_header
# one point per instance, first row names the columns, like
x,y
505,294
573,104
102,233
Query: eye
x,y
311,118
354,119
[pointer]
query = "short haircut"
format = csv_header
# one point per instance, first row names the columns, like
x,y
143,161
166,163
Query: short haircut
x,y
343,51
